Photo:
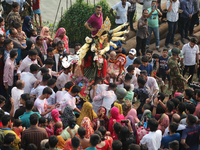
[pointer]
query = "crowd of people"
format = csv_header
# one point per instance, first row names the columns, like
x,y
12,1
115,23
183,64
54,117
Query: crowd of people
x,y
108,99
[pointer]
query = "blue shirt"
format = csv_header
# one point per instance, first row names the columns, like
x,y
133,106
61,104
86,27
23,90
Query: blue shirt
x,y
91,148
163,64
187,7
25,118
129,61
142,94
166,139
191,135
6,55
119,44
148,68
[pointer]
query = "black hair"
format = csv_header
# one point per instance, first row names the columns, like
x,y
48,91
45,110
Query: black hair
x,y
49,61
32,147
72,122
128,77
98,133
77,44
25,96
112,86
143,147
179,97
145,59
147,106
76,89
47,90
155,56
11,30
141,80
175,101
189,93
13,53
159,109
1,50
31,31
124,134
1,20
53,140
60,43
17,25
68,85
75,142
174,145
15,4
50,49
46,77
198,92
5,119
54,44
117,145
94,139
127,87
29,104
2,99
149,51
192,119
130,68
181,107
38,38
161,96
1,113
153,124
34,118
44,70
165,50
32,52
177,43
193,40
9,138
137,61
97,80
134,147
170,105
17,123
117,127
190,108
42,120
6,42
34,67
51,82
81,132
144,72
173,127
102,129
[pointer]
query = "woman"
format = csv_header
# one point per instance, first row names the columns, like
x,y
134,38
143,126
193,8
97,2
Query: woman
x,y
103,145
103,131
67,114
102,119
163,123
61,142
86,111
26,27
87,124
55,115
30,45
61,36
115,117
133,114
132,124
41,44
45,33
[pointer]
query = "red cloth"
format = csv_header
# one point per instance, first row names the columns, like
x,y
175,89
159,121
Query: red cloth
x,y
36,4
1,125
88,62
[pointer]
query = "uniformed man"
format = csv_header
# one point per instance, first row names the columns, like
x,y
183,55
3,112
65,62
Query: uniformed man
x,y
177,78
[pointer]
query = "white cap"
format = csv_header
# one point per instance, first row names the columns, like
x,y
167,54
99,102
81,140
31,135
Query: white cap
x,y
132,51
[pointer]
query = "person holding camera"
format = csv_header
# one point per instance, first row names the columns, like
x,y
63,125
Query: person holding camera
x,y
172,18
153,24
142,33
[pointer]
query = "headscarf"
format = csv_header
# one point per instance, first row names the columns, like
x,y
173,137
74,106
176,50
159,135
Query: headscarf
x,y
86,111
131,118
119,106
86,123
55,115
67,114
65,40
43,33
164,122
145,113
133,113
61,142
24,52
26,27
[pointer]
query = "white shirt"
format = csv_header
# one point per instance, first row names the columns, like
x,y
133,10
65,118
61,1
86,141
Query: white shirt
x,y
152,140
59,95
189,54
25,65
172,16
39,75
134,77
29,80
67,100
16,95
180,127
41,105
122,86
108,98
62,80
152,84
183,121
121,12
38,90
52,99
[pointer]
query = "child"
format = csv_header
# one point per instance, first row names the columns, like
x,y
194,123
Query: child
x,y
187,94
94,140
130,93
8,47
2,31
44,124
112,57
17,127
131,57
58,128
146,66
77,46
75,143
117,145
21,34
33,35
36,11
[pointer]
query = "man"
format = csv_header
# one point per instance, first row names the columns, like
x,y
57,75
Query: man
x,y
26,62
190,57
172,18
29,78
142,33
131,13
153,24
53,140
25,117
8,142
77,46
186,16
34,134
195,17
96,21
177,78
60,49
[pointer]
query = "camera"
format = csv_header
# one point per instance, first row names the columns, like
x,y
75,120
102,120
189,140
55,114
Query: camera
x,y
194,85
124,121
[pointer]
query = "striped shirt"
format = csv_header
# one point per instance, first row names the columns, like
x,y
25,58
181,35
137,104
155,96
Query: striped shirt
x,y
33,135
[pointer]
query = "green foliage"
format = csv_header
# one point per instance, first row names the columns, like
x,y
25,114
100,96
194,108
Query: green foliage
x,y
74,18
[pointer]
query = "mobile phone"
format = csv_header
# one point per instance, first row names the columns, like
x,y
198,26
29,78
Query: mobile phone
x,y
124,121
57,105
154,6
